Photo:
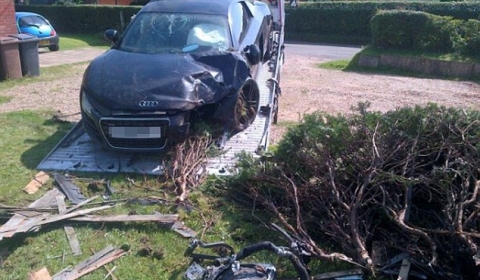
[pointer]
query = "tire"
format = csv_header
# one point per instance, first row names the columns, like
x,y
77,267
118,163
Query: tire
x,y
54,48
246,107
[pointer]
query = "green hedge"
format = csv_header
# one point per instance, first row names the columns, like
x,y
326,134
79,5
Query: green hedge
x,y
84,18
350,21
412,30
335,22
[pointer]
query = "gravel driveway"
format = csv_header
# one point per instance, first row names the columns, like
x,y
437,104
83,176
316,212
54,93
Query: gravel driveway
x,y
305,88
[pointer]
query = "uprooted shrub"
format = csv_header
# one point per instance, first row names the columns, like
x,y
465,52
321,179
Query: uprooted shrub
x,y
377,185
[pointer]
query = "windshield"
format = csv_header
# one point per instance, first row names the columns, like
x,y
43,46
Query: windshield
x,y
175,32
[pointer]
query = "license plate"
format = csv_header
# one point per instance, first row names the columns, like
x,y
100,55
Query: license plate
x,y
44,43
135,132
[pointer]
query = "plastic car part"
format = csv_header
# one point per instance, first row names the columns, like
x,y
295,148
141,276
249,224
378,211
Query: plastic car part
x,y
229,267
253,54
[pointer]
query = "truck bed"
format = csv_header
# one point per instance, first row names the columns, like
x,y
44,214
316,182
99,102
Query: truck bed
x,y
77,152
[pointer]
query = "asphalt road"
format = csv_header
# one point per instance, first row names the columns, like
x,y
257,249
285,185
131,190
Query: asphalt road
x,y
323,52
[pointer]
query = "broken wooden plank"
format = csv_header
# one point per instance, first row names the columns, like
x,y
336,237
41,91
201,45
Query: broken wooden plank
x,y
69,231
183,230
48,200
338,274
41,274
81,204
19,223
39,180
110,272
26,221
99,259
60,217
72,191
36,222
10,208
159,218
404,269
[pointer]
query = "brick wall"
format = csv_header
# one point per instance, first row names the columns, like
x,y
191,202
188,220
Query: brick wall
x,y
7,18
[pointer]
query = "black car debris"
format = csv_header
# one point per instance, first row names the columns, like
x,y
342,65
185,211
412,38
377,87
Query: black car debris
x,y
175,63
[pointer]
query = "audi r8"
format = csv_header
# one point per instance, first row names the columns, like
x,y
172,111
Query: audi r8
x,y
177,62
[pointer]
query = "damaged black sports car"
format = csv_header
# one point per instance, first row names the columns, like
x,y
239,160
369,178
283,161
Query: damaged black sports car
x,y
178,61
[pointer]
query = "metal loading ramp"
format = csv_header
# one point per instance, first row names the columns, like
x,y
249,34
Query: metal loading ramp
x,y
254,139
251,140
76,152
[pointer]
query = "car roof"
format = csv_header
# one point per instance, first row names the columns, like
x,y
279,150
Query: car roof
x,y
22,14
213,7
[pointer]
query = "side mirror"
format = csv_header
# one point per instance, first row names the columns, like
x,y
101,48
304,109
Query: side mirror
x,y
111,35
252,52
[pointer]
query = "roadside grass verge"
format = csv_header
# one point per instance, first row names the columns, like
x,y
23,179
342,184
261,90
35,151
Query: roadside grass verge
x,y
440,56
352,64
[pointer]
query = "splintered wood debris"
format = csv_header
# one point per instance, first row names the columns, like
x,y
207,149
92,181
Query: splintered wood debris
x,y
51,208
69,189
99,259
31,219
92,263
69,231
39,180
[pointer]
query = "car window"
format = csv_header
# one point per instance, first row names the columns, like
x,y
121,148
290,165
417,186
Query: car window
x,y
31,21
240,21
153,32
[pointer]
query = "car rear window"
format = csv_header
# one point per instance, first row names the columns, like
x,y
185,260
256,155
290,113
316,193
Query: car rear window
x,y
31,21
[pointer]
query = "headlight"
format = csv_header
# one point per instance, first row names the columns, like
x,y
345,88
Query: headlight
x,y
85,103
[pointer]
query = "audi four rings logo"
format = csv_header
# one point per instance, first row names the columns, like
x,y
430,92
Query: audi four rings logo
x,y
148,104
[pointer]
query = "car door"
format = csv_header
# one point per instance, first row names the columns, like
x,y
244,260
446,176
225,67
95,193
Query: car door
x,y
249,25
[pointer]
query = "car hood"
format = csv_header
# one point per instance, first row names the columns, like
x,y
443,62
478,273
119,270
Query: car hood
x,y
121,80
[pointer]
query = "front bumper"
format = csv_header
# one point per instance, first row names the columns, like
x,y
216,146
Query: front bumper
x,y
49,41
140,132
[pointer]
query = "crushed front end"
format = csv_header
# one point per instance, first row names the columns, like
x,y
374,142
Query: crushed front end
x,y
147,102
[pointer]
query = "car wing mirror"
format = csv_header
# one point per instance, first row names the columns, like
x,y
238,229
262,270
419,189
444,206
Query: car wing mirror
x,y
111,35
252,52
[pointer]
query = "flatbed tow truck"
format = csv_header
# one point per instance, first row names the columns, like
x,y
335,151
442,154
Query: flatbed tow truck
x,y
76,152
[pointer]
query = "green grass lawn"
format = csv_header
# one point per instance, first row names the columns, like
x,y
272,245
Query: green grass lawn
x,y
73,41
153,251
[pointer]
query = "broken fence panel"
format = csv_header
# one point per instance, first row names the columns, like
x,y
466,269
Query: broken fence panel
x,y
69,231
72,191
94,262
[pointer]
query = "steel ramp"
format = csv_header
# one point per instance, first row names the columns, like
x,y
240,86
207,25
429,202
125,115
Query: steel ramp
x,y
254,139
78,152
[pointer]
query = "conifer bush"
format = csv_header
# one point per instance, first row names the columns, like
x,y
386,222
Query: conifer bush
x,y
404,181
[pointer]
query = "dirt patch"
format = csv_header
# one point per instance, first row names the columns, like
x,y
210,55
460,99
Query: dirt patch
x,y
305,89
